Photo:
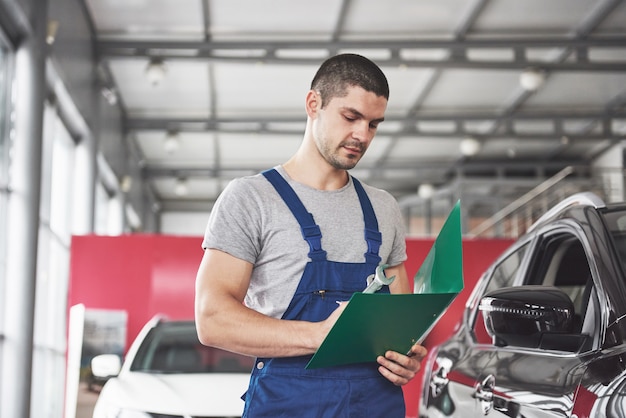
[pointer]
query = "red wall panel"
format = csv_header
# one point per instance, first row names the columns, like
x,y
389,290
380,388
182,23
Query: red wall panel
x,y
142,274
151,274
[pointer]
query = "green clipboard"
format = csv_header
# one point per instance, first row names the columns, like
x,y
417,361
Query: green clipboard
x,y
374,323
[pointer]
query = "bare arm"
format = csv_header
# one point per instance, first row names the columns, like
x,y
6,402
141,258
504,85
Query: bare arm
x,y
401,282
223,321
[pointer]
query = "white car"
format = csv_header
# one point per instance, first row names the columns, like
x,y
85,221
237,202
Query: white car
x,y
168,373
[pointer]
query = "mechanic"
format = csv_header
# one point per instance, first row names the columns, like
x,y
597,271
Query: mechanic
x,y
284,250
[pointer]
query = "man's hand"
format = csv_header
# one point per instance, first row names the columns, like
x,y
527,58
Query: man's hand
x,y
398,368
327,324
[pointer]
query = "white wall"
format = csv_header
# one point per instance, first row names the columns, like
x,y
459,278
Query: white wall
x,y
610,166
184,223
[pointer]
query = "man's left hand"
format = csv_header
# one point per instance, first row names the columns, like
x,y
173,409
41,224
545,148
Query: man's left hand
x,y
398,368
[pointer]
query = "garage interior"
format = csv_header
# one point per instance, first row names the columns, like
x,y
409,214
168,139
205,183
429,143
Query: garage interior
x,y
505,105
492,102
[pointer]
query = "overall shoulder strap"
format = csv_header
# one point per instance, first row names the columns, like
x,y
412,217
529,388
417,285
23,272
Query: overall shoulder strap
x,y
310,230
372,234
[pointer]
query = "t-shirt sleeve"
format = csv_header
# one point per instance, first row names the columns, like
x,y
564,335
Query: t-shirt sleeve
x,y
398,251
233,225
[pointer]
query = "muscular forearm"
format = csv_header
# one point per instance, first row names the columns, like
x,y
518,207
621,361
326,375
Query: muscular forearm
x,y
234,327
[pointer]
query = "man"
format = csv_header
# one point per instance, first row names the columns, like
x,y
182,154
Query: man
x,y
285,247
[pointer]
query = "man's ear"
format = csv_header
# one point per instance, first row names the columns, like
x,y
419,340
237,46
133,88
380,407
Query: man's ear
x,y
313,103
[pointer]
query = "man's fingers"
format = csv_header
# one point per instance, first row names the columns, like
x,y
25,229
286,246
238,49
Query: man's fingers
x,y
400,369
418,351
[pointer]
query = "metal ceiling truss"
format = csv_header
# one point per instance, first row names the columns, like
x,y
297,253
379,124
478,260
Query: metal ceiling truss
x,y
498,168
511,53
606,125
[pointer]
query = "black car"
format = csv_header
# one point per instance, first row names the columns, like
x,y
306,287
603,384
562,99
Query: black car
x,y
544,331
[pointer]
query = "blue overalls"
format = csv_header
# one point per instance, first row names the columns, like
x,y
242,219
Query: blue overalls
x,y
282,387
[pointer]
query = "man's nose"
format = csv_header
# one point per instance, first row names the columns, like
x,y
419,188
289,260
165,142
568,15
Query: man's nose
x,y
362,131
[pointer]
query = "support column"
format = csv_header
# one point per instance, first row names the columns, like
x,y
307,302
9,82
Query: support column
x,y
23,215
84,186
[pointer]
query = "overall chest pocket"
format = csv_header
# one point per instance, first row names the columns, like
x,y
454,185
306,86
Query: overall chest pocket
x,y
316,305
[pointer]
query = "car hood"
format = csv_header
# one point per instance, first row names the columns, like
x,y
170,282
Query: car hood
x,y
202,394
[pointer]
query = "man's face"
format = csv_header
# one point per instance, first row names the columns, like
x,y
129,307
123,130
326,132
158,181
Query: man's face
x,y
345,127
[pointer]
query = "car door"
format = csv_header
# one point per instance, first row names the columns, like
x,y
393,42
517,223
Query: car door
x,y
455,366
543,382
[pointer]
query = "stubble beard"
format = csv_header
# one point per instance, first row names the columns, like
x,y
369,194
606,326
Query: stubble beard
x,y
333,158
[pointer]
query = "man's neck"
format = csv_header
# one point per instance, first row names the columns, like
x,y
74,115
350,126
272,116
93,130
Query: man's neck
x,y
320,176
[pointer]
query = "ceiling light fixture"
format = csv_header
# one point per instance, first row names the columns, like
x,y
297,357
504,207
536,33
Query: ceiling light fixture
x,y
155,71
126,183
531,79
469,146
181,189
171,143
426,190
53,28
109,95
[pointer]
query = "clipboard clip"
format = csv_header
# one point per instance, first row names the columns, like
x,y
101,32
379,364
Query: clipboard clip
x,y
378,280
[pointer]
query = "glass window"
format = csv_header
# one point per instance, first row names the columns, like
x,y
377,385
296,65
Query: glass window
x,y
558,260
174,348
100,208
53,264
5,111
503,275
561,262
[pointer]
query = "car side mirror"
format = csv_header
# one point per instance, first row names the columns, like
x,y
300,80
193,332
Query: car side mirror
x,y
106,365
528,316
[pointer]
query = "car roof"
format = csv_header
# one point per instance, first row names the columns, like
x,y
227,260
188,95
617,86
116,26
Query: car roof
x,y
588,199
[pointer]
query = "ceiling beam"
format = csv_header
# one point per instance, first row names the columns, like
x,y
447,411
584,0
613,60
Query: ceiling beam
x,y
499,167
511,52
610,125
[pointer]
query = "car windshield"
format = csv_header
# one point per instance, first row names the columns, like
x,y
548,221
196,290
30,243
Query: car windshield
x,y
174,348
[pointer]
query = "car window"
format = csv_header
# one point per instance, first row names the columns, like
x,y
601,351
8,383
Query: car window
x,y
561,262
174,348
503,275
616,223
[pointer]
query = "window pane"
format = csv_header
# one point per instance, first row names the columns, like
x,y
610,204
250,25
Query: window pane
x,y
53,263
5,111
503,276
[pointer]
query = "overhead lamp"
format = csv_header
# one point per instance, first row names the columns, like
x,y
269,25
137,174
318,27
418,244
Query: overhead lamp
x,y
469,146
51,32
181,189
155,71
109,95
126,183
171,143
426,190
531,79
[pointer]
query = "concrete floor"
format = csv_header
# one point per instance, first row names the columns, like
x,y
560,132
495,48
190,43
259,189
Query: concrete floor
x,y
86,401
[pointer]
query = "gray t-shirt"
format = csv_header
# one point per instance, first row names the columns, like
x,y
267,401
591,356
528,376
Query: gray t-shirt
x,y
250,221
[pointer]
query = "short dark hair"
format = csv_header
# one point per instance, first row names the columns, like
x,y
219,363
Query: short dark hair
x,y
339,72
